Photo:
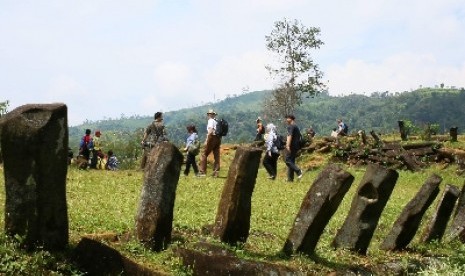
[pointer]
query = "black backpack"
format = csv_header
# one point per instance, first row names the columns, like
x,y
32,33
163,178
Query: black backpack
x,y
346,128
280,142
222,127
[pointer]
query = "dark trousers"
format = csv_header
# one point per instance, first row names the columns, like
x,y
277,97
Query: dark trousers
x,y
190,161
271,163
95,155
291,166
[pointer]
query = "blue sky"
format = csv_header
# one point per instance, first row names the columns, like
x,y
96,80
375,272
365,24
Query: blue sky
x,y
107,58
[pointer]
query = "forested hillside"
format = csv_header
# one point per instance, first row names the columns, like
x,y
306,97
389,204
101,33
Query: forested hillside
x,y
379,112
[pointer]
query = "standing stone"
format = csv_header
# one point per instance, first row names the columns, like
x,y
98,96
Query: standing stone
x,y
407,223
318,206
453,132
457,227
368,204
232,221
438,223
403,130
34,141
154,219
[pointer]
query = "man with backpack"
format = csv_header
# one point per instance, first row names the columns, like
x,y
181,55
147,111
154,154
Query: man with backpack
x,y
212,144
154,133
293,144
342,128
86,145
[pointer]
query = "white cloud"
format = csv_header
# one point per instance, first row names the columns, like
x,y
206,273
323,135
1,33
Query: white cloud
x,y
233,74
399,72
137,58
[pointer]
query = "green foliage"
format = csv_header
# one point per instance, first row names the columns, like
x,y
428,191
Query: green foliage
x,y
105,201
379,112
297,72
3,108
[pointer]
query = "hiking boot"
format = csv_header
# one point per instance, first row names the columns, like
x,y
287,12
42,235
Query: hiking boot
x,y
215,174
272,177
201,175
300,175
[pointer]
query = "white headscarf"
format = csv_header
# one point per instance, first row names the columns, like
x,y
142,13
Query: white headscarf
x,y
271,127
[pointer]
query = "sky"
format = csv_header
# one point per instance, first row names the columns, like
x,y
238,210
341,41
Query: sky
x,y
112,58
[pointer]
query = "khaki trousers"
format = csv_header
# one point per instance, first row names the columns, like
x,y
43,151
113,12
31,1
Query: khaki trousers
x,y
213,145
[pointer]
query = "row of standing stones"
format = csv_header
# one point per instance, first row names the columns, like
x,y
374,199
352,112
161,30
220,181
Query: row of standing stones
x,y
34,140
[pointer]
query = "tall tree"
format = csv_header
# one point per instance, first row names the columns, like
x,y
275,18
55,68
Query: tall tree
x,y
3,108
296,71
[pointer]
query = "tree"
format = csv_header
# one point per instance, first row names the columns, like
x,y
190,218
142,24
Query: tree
x,y
297,72
3,108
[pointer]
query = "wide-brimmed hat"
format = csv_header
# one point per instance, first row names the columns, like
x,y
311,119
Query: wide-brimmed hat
x,y
210,111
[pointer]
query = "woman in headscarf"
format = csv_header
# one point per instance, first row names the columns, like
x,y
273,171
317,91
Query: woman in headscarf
x,y
270,161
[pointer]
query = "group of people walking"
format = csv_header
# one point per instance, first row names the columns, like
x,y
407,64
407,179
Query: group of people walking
x,y
156,133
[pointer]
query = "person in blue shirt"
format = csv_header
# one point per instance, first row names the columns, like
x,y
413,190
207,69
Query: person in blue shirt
x,y
192,139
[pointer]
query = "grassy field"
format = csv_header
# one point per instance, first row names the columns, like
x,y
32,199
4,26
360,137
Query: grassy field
x,y
106,202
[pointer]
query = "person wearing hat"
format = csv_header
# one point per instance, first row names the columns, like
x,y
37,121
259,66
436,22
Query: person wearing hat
x,y
260,130
154,134
212,145
292,147
97,150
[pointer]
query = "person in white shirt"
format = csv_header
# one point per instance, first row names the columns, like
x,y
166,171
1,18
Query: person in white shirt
x,y
212,144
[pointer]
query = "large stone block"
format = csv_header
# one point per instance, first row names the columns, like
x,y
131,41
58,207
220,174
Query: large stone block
x,y
232,221
367,205
438,223
318,206
154,219
457,226
34,140
407,223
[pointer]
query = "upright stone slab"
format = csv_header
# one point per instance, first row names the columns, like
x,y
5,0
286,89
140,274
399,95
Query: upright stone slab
x,y
318,206
34,140
232,221
367,205
407,223
457,227
154,219
438,223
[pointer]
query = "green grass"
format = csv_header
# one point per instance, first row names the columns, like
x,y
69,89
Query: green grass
x,y
106,202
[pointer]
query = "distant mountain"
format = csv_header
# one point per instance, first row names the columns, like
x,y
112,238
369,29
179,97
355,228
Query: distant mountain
x,y
379,112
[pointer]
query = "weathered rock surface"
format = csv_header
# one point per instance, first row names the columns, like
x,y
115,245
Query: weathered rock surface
x,y
437,225
232,221
407,223
34,141
96,258
154,219
367,205
318,206
457,227
208,259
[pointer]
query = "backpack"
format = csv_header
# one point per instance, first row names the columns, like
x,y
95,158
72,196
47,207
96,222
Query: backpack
x,y
222,127
280,142
194,147
86,143
346,128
